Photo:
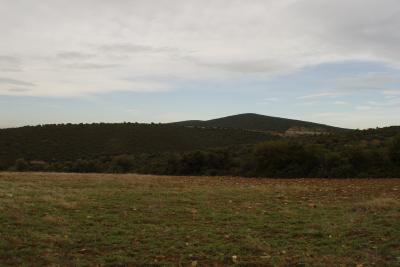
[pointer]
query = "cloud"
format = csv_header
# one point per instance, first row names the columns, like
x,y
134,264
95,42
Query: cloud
x,y
320,95
391,93
341,103
367,81
73,55
9,59
358,29
363,107
9,81
127,48
10,64
19,90
269,100
249,66
394,102
91,66
64,46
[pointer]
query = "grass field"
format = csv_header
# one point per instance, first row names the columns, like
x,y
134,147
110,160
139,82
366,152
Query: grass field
x,y
97,219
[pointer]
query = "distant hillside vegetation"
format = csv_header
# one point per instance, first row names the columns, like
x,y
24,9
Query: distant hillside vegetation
x,y
81,141
251,121
175,150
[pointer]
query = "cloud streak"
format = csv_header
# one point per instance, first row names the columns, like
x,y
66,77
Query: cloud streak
x,y
9,81
320,95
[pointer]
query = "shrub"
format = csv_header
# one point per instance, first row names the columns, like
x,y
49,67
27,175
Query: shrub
x,y
21,165
394,151
122,164
284,159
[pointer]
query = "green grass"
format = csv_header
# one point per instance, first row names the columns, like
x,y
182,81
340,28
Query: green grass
x,y
88,220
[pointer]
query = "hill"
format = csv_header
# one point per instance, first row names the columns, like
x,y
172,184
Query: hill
x,y
257,122
176,150
82,141
62,142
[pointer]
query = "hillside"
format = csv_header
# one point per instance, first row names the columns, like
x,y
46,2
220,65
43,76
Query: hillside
x,y
81,141
251,121
175,150
62,142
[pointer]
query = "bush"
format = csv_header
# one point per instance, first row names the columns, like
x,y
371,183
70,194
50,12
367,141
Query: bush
x,y
284,159
394,151
212,162
21,165
122,164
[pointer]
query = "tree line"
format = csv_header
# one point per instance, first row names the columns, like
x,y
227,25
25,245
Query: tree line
x,y
360,154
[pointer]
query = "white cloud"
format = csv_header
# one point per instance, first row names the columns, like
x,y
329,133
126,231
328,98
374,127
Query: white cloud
x,y
8,81
363,107
80,47
321,95
268,101
391,93
341,103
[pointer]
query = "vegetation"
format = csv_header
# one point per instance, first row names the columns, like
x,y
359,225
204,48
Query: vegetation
x,y
258,122
66,142
49,219
178,150
358,154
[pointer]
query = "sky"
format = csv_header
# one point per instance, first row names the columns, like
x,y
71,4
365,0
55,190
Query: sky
x,y
332,62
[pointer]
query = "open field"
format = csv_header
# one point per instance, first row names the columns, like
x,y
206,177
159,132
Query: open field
x,y
99,219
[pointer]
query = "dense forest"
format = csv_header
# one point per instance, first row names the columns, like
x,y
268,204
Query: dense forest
x,y
175,150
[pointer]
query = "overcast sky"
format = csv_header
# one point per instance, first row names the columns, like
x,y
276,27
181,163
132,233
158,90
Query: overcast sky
x,y
335,62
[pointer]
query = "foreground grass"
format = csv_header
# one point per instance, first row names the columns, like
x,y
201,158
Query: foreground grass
x,y
88,220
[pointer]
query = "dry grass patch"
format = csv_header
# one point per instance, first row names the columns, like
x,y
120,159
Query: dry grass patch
x,y
60,202
378,203
53,219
